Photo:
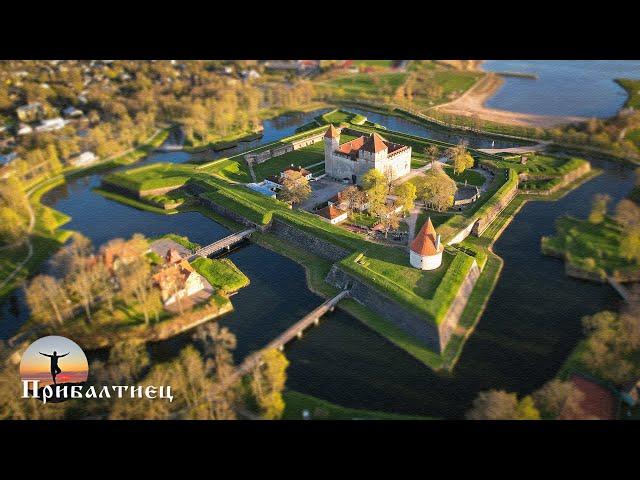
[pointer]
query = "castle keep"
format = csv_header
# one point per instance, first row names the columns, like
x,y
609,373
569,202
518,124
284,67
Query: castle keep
x,y
353,159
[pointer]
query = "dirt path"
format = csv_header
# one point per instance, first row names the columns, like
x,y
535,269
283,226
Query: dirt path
x,y
471,103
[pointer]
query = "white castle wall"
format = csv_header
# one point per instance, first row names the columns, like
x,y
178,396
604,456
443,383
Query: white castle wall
x,y
430,262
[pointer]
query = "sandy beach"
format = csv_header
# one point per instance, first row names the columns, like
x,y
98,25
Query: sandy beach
x,y
471,103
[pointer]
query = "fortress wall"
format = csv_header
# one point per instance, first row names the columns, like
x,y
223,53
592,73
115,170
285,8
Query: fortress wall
x,y
308,242
434,337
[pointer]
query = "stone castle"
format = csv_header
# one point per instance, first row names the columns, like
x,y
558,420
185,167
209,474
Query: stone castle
x,y
353,159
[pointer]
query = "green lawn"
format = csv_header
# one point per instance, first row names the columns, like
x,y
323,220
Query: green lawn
x,y
471,177
319,409
633,90
538,164
221,273
306,156
595,248
374,63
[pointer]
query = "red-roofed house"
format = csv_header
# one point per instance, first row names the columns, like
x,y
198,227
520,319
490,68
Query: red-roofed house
x,y
598,402
332,214
353,159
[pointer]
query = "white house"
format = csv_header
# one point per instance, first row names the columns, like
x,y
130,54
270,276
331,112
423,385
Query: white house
x,y
24,129
72,112
51,124
353,159
177,279
85,158
426,249
332,214
265,187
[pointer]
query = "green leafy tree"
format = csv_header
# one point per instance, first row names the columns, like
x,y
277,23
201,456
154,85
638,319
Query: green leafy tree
x,y
436,189
558,399
268,382
406,196
374,184
599,208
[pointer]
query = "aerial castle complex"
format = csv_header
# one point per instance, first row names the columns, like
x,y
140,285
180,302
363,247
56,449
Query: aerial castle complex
x,y
353,159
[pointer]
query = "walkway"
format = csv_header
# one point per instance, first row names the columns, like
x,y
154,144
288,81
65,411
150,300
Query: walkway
x,y
223,243
518,150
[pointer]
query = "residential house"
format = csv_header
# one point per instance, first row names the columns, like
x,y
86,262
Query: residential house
x,y
598,402
178,280
332,214
630,393
299,169
268,188
24,129
72,112
30,112
51,124
83,159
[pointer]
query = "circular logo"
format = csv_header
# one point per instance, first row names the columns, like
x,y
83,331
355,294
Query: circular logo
x,y
54,361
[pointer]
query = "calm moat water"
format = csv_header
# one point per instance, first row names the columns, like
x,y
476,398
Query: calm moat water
x,y
531,322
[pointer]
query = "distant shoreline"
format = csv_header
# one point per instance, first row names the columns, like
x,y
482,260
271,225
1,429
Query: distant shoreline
x,y
472,104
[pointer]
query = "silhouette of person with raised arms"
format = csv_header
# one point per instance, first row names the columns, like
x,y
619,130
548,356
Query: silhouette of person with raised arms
x,y
55,369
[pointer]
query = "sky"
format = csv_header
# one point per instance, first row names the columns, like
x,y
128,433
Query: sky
x,y
35,366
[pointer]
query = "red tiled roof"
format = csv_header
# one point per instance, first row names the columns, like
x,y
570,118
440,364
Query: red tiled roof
x,y
332,132
352,146
330,212
375,143
598,402
425,242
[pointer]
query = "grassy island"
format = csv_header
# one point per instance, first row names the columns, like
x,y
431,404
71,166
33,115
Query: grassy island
x,y
591,249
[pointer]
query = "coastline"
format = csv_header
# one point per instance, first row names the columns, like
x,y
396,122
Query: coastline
x,y
472,104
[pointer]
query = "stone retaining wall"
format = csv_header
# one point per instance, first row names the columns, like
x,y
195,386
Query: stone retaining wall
x,y
434,337
308,242
566,179
278,150
483,222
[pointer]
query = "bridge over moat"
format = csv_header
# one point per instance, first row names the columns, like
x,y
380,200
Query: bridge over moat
x,y
222,244
294,331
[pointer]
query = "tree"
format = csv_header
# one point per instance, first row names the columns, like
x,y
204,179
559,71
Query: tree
x,y
375,185
493,405
612,340
599,208
501,405
136,284
389,219
461,158
432,152
218,343
45,295
436,189
628,214
354,198
295,188
406,193
12,226
81,281
558,399
267,384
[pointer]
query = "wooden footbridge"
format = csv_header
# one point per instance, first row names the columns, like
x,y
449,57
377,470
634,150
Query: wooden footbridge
x,y
621,289
222,244
295,331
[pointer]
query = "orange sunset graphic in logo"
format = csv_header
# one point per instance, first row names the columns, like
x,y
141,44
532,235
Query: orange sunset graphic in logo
x,y
54,360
